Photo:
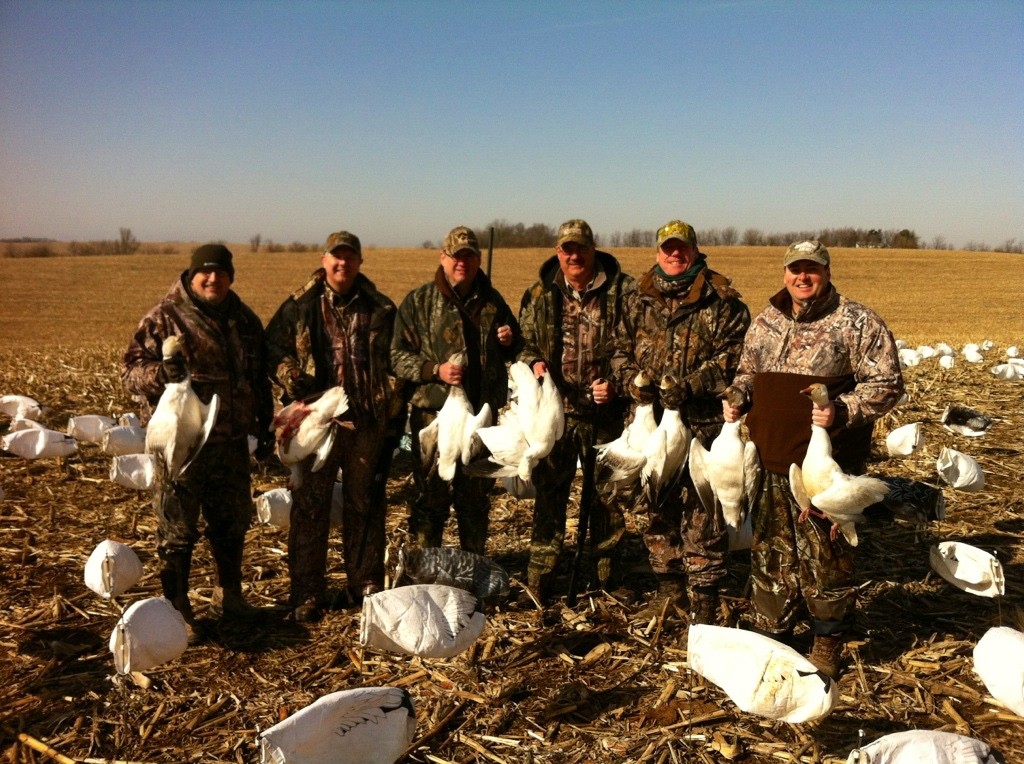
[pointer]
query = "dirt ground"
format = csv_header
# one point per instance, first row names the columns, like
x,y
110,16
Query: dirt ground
x,y
596,683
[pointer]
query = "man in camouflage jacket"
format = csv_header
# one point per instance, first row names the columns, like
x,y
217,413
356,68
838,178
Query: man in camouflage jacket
x,y
568,318
223,354
684,322
809,333
458,313
336,330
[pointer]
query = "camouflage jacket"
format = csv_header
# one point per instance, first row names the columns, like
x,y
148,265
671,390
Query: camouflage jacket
x,y
697,338
575,337
225,354
433,324
835,341
335,343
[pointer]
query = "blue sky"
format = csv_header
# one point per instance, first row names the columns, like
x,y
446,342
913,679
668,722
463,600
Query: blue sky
x,y
399,120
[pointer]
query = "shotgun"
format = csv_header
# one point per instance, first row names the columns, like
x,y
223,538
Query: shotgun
x,y
587,496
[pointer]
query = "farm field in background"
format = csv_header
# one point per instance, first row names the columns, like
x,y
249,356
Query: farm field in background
x,y
597,683
924,295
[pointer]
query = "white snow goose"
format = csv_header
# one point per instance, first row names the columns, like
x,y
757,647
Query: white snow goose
x,y
304,428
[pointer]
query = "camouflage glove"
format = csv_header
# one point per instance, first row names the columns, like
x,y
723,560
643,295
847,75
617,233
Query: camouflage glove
x,y
645,395
298,385
175,368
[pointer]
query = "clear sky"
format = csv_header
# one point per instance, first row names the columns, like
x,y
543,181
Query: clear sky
x,y
195,120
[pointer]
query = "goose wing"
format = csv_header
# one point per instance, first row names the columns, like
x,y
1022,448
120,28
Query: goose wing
x,y
699,469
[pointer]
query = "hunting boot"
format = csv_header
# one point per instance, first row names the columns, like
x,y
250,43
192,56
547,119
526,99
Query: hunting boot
x,y
228,602
174,581
826,654
703,604
668,598
539,582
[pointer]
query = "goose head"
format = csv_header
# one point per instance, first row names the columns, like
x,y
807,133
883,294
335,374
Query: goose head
x,y
172,346
734,396
641,379
818,394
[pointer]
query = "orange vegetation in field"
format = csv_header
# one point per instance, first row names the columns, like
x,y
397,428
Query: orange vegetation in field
x,y
924,295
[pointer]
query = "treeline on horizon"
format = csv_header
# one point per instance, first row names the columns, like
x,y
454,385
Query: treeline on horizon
x,y
519,235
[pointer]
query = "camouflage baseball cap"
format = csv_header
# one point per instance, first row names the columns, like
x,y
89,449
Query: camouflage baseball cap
x,y
575,230
677,229
343,239
809,249
459,238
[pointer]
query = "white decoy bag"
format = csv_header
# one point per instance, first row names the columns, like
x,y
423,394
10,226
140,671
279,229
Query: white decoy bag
x,y
428,620
1008,371
133,471
275,507
149,633
923,747
905,440
999,661
959,470
89,428
21,423
760,675
124,439
366,725
968,568
39,444
20,406
112,569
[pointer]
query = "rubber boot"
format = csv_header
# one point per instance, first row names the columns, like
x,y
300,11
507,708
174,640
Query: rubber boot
x,y
228,603
174,581
826,654
540,583
668,599
703,604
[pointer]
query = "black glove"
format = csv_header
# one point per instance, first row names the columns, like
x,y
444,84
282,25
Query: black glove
x,y
175,368
265,446
298,385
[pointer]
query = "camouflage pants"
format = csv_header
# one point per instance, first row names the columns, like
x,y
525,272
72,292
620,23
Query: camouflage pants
x,y
792,561
683,537
216,486
435,498
553,479
356,454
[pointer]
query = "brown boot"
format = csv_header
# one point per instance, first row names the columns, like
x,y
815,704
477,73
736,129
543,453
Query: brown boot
x,y
539,584
228,602
668,599
826,654
703,604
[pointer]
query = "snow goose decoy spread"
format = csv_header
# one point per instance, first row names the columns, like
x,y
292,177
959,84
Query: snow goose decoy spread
x,y
21,406
471,572
149,633
963,420
999,661
365,725
820,484
36,443
123,439
905,440
760,675
968,568
726,476
972,353
923,747
133,471
428,620
274,507
451,437
304,428
181,422
112,569
959,470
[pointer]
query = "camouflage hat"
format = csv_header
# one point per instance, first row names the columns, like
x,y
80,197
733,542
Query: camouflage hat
x,y
677,229
459,238
575,230
210,257
343,239
810,249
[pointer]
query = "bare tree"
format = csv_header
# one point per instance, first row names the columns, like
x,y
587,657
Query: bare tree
x,y
254,243
127,244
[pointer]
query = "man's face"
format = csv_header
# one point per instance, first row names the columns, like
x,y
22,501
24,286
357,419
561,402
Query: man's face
x,y
676,256
461,267
211,285
342,265
806,280
576,261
